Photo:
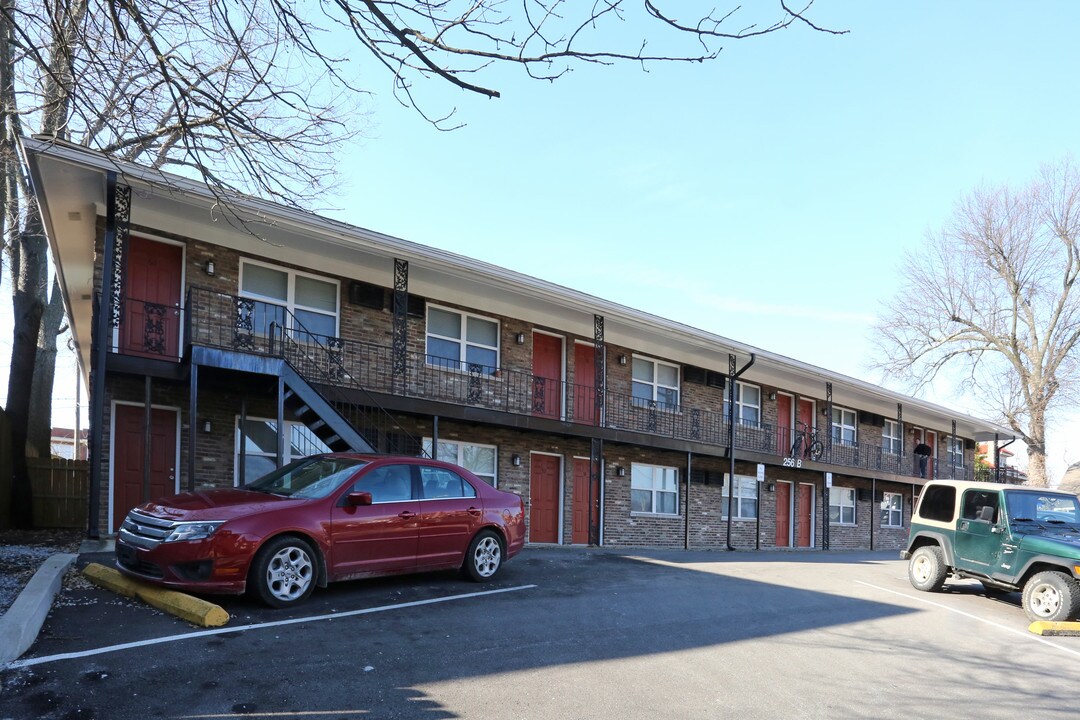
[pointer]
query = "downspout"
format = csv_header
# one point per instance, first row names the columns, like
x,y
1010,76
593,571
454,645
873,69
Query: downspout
x,y
733,376
997,457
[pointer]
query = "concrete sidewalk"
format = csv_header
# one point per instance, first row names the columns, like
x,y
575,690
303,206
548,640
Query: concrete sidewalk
x,y
20,625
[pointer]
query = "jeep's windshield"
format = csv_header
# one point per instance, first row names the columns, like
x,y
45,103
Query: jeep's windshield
x,y
1042,507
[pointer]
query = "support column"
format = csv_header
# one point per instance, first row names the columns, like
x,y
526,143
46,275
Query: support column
x,y
599,369
148,436
596,467
952,455
241,470
828,450
193,422
400,329
689,469
903,435
280,421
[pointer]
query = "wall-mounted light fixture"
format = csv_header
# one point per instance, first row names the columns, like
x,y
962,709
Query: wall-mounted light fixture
x,y
520,338
207,427
515,460
770,487
772,395
210,267
620,471
622,359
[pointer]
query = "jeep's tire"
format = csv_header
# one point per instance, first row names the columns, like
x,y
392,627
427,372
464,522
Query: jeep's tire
x,y
1052,596
926,569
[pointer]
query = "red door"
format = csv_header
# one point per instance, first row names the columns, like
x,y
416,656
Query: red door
x,y
783,514
544,499
150,318
783,425
547,375
804,516
381,537
583,506
585,384
128,450
806,417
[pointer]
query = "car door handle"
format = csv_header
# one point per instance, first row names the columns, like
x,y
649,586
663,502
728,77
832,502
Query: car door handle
x,y
474,511
406,515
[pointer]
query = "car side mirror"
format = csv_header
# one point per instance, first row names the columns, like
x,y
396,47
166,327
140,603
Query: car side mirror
x,y
358,498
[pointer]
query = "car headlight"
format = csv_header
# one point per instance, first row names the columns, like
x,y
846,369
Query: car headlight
x,y
193,530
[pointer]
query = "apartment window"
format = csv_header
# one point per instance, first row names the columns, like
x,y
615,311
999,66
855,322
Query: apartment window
x,y
458,340
745,502
747,404
842,506
260,443
291,299
892,510
480,460
655,381
654,489
890,437
954,449
843,426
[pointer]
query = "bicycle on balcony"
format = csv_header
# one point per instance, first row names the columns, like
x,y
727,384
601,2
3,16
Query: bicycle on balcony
x,y
805,443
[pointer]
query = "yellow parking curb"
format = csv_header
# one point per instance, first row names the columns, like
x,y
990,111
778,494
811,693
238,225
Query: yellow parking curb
x,y
184,606
1042,627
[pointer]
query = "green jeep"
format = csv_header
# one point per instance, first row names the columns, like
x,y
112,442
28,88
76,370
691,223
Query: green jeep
x,y
1010,537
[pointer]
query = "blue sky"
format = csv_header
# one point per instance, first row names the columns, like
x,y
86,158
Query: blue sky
x,y
768,196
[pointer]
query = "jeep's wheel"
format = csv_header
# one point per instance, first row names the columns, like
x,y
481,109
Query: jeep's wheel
x,y
926,570
1052,596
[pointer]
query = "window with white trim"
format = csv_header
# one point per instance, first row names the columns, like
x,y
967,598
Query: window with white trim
x,y
747,404
654,489
842,506
954,451
890,437
480,460
312,302
844,431
458,340
745,502
892,510
655,381
260,443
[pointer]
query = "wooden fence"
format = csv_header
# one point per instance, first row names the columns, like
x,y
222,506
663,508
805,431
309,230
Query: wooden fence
x,y
59,488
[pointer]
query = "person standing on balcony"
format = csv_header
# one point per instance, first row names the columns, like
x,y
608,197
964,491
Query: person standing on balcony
x,y
923,453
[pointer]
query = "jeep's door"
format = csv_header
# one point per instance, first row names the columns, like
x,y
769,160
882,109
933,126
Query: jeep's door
x,y
977,541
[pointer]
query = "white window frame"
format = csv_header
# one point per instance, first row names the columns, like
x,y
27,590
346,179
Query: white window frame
x,y
838,438
886,507
741,405
740,497
656,384
428,446
836,499
890,443
655,491
954,446
287,456
290,303
463,341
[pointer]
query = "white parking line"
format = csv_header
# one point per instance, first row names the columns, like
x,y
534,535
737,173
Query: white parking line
x,y
29,662
1005,628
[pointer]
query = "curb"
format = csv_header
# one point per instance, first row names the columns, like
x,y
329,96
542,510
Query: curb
x,y
20,625
1060,629
184,606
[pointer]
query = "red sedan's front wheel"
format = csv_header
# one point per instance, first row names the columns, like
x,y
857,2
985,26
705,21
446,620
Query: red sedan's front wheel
x,y
283,572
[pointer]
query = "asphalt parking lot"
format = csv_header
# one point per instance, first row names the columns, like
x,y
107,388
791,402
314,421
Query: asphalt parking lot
x,y
565,633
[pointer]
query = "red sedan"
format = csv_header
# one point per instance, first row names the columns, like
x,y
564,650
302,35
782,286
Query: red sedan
x,y
322,519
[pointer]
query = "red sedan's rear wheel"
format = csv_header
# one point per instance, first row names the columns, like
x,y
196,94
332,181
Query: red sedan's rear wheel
x,y
484,557
283,572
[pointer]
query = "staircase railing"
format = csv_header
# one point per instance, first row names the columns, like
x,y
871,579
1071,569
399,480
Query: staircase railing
x,y
227,321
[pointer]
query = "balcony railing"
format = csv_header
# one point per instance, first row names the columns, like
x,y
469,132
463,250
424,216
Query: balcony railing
x,y
226,321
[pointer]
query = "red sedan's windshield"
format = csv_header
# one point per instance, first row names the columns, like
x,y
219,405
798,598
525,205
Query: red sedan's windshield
x,y
308,478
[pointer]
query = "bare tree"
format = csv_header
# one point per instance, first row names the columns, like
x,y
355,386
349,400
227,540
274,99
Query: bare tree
x,y
993,295
258,97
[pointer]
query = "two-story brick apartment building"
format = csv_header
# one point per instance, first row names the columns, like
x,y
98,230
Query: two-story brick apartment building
x,y
223,339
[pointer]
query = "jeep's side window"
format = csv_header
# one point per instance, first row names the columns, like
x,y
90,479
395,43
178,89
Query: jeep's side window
x,y
937,503
980,505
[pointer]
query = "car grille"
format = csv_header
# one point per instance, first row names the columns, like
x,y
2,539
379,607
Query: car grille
x,y
145,531
127,558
